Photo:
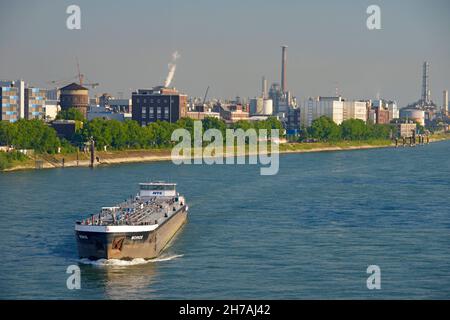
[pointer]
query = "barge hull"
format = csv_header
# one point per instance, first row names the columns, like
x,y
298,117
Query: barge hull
x,y
129,245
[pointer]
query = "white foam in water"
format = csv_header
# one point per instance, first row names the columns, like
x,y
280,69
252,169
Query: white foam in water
x,y
124,263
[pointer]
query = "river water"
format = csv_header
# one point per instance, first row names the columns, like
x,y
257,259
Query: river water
x,y
309,232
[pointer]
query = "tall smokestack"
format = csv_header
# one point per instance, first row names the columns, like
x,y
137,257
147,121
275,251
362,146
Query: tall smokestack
x,y
283,69
264,88
445,102
425,85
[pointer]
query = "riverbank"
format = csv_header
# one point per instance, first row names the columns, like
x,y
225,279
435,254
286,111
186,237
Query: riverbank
x,y
152,155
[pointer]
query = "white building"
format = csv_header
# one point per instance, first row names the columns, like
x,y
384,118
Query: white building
x,y
256,106
391,106
201,115
406,130
394,112
261,107
51,109
355,110
312,109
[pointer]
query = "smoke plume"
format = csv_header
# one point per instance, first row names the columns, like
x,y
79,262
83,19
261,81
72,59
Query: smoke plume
x,y
172,67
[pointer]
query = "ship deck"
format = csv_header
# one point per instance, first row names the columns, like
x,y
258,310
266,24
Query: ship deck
x,y
136,212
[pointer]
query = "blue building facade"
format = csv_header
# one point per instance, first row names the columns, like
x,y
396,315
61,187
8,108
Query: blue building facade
x,y
9,103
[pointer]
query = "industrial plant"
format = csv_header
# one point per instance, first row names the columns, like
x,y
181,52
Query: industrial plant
x,y
164,102
425,111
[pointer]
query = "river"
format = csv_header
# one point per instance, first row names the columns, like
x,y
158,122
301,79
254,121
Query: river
x,y
310,231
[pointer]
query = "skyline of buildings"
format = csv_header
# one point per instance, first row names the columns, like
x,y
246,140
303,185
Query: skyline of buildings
x,y
277,101
35,105
162,103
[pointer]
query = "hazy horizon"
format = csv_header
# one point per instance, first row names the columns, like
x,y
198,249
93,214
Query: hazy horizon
x,y
230,45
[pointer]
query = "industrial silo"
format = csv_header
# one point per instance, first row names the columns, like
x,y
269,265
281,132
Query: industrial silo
x,y
416,115
267,107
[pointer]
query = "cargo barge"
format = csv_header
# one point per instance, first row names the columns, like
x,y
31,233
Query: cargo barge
x,y
139,227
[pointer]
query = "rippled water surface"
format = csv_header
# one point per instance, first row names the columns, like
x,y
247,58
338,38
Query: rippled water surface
x,y
309,232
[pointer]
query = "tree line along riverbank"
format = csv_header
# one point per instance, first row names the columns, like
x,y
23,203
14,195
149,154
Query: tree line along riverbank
x,y
129,142
151,155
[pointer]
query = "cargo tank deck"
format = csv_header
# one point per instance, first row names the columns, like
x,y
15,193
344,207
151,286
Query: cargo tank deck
x,y
135,212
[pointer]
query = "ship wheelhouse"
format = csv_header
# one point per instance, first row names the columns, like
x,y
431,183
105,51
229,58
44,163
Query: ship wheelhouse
x,y
157,189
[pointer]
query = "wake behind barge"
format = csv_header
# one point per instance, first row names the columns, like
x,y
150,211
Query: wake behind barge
x,y
139,227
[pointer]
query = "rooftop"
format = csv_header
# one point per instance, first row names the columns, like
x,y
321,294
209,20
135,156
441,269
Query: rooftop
x,y
157,184
159,90
74,86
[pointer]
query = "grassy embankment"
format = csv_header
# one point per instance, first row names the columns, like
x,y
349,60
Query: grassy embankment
x,y
319,146
440,136
15,161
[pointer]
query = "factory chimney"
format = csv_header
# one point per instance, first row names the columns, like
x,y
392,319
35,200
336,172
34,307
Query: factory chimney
x,y
445,103
283,69
426,93
264,88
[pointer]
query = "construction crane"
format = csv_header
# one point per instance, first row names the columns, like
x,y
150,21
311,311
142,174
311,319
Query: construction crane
x,y
80,75
80,78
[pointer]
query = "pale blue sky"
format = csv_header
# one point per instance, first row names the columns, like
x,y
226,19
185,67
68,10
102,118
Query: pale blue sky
x,y
229,45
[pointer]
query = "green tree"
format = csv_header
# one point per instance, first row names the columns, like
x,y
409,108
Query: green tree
x,y
70,114
243,124
8,131
214,123
273,123
135,135
303,134
354,129
186,123
35,134
379,131
269,124
149,136
119,134
97,129
162,131
325,129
